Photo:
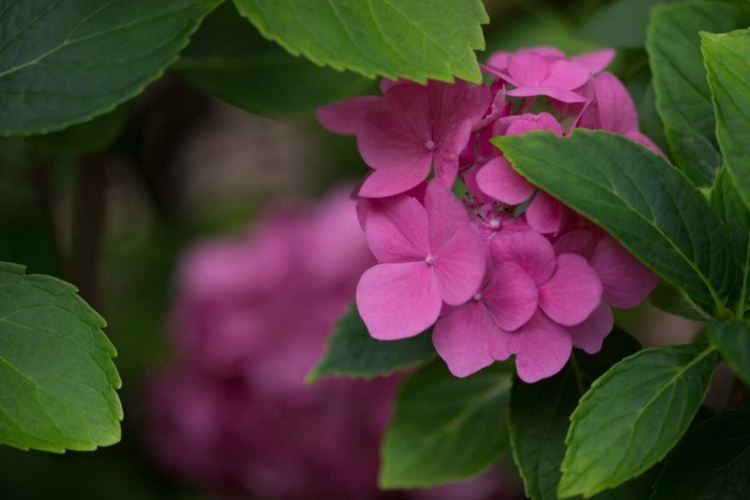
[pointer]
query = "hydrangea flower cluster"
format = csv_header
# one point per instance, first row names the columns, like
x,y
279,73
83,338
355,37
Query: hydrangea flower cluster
x,y
233,413
508,270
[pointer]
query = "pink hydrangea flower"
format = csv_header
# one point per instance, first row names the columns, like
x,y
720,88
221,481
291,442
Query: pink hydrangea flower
x,y
530,299
232,412
427,254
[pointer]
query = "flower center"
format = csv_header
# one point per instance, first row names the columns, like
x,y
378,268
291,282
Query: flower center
x,y
429,145
430,260
477,296
495,223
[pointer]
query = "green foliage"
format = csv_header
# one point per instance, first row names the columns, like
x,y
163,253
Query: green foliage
x,y
633,415
64,62
727,202
352,352
620,24
540,412
57,364
683,97
674,301
649,206
95,135
732,339
446,428
393,38
231,60
727,59
711,462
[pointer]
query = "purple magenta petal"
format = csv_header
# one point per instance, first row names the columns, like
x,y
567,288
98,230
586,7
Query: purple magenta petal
x,y
510,297
461,339
397,230
546,215
562,95
626,281
597,60
590,334
397,301
529,250
498,180
347,116
572,293
527,68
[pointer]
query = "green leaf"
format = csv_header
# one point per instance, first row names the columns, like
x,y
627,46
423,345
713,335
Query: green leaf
x,y
540,413
727,202
727,58
95,135
674,301
231,60
711,462
56,368
732,339
633,415
648,205
352,352
393,38
446,428
683,97
64,62
620,24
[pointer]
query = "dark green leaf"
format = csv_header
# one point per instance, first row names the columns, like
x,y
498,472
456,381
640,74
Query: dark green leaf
x,y
231,60
732,339
540,413
633,415
393,38
64,62
96,135
712,462
727,58
620,24
683,97
648,205
727,202
674,301
57,364
352,352
446,428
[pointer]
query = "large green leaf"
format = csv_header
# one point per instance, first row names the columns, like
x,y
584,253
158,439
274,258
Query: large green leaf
x,y
683,97
727,58
620,24
732,339
727,202
712,462
446,428
56,370
674,301
395,38
352,352
540,413
231,60
633,415
648,205
66,61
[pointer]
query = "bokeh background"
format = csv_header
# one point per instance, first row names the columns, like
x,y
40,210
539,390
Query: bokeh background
x,y
190,168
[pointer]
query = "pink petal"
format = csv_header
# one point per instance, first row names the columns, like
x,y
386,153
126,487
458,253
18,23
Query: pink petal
x,y
397,230
470,179
527,122
562,95
617,111
590,334
527,69
546,51
498,179
546,215
499,60
541,347
345,117
597,60
566,75
397,301
511,296
390,182
572,293
581,242
626,281
461,339
528,250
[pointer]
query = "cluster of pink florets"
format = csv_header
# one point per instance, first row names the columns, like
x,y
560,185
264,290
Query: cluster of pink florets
x,y
508,270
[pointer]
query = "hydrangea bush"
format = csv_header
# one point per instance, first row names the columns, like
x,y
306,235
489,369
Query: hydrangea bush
x,y
513,208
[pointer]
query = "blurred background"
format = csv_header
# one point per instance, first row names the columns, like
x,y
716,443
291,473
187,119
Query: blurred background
x,y
160,233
